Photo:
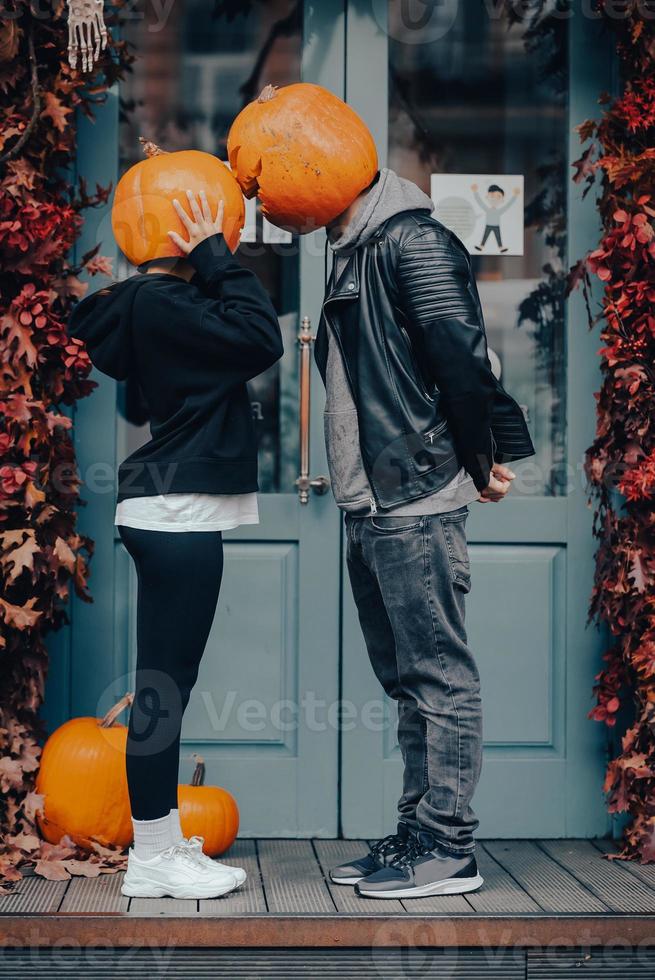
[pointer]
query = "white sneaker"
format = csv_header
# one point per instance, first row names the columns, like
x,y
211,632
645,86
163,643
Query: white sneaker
x,y
196,842
175,872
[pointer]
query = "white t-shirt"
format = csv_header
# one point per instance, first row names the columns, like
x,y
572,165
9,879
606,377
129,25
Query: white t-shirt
x,y
188,511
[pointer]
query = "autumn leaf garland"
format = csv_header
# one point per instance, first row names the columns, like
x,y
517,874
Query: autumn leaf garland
x,y
621,462
43,372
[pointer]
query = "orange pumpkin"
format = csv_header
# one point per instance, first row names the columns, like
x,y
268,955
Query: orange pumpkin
x,y
82,778
209,811
304,152
143,212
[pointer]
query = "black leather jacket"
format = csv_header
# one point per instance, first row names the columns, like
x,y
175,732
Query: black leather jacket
x,y
406,313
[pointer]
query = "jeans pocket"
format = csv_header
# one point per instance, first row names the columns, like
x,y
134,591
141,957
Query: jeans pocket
x,y
393,525
453,526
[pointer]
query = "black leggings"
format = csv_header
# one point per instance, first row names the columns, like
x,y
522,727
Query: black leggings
x,y
179,578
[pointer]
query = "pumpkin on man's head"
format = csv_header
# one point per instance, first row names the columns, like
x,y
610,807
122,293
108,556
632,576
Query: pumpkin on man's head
x,y
304,152
143,213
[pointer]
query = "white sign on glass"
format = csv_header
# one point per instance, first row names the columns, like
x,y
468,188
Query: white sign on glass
x,y
484,210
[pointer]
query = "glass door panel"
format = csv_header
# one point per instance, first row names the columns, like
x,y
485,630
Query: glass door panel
x,y
469,96
194,72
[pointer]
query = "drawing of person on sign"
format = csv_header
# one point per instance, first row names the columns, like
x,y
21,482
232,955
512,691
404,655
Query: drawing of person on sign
x,y
494,208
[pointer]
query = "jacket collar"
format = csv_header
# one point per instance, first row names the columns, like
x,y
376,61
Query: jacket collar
x,y
347,285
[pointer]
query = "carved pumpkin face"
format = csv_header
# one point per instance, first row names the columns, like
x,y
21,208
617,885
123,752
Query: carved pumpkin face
x,y
143,212
304,152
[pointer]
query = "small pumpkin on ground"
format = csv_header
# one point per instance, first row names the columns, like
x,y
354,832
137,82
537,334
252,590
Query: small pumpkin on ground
x,y
304,152
208,811
82,778
143,213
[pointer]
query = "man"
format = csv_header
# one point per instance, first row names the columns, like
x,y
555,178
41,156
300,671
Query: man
x,y
417,428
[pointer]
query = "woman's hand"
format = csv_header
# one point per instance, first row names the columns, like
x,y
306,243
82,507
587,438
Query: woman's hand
x,y
200,226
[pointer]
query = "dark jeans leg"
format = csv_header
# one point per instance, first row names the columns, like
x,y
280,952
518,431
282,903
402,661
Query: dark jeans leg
x,y
421,569
179,577
381,646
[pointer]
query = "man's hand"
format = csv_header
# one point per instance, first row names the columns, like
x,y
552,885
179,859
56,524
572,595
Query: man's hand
x,y
474,187
499,483
200,226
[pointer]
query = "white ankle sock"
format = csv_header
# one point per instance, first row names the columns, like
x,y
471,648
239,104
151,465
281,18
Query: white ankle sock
x,y
175,827
151,837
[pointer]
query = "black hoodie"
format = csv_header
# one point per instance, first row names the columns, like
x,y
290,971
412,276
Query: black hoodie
x,y
191,346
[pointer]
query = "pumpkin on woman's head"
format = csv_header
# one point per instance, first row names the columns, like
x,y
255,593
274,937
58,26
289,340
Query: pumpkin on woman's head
x,y
83,781
208,811
143,213
304,152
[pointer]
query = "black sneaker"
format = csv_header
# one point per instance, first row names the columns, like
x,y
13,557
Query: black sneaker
x,y
382,853
422,869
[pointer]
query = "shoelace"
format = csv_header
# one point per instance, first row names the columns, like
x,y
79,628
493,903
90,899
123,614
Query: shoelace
x,y
413,849
183,851
393,842
195,844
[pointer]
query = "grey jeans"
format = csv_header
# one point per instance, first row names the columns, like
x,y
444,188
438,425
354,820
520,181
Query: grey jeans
x,y
409,577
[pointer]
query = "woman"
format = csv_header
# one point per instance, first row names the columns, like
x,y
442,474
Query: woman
x,y
191,331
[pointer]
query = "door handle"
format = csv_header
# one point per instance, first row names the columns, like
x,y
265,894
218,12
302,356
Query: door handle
x,y
304,483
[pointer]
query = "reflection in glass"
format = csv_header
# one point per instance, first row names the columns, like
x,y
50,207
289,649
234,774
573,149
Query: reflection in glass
x,y
195,70
467,95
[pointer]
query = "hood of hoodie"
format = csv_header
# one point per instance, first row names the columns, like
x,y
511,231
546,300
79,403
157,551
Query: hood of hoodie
x,y
104,322
389,195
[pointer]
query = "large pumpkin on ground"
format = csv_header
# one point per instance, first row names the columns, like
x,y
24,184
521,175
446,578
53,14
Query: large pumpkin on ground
x,y
143,212
82,778
208,811
304,152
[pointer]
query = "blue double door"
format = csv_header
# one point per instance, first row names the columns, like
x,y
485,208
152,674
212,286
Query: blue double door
x,y
286,712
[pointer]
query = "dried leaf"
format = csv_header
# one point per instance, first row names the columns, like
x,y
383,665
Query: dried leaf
x,y
52,870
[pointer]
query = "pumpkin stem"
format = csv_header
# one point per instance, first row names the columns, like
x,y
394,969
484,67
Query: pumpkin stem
x,y
267,93
151,149
114,712
198,777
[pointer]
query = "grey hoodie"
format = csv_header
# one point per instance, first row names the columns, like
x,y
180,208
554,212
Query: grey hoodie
x,y
390,195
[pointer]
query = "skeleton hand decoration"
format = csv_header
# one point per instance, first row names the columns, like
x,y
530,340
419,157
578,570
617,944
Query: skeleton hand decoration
x,y
87,33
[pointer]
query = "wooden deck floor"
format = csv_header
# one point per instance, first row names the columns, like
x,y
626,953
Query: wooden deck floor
x,y
536,893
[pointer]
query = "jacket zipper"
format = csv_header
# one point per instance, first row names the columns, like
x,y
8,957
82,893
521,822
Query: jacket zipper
x,y
419,376
432,433
335,336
